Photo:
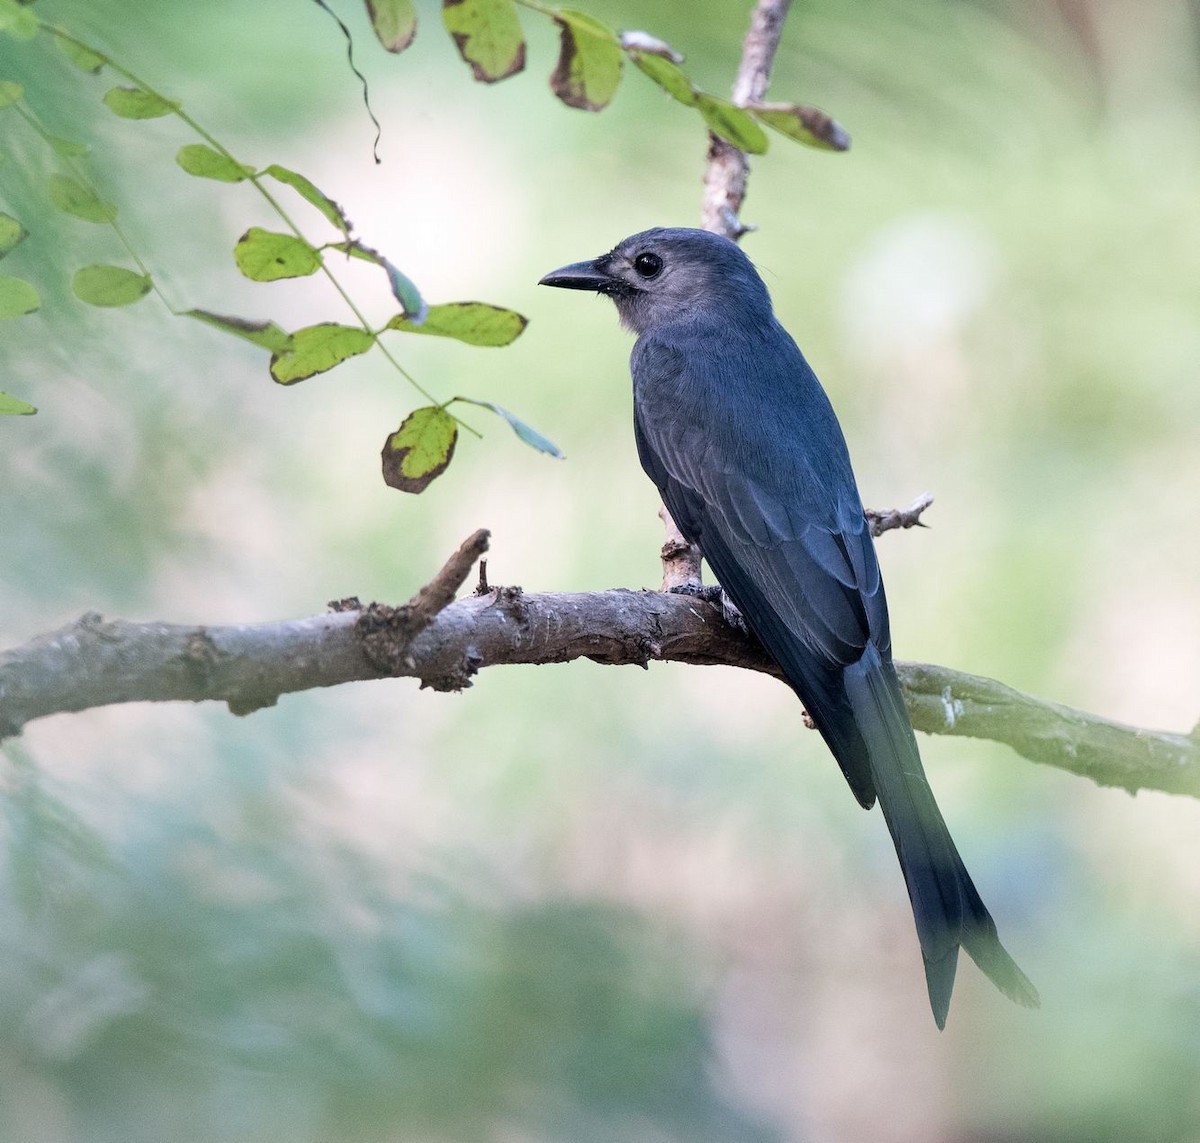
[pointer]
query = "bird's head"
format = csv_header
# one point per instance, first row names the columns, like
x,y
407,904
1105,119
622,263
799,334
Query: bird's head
x,y
666,275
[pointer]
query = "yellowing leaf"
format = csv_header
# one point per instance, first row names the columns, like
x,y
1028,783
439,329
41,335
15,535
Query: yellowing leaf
x,y
394,21
420,449
589,62
476,323
403,288
267,256
808,125
109,285
317,348
311,194
488,36
264,333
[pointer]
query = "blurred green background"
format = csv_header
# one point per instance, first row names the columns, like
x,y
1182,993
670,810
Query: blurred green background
x,y
580,903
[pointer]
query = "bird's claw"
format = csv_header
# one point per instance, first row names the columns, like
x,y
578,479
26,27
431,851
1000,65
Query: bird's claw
x,y
715,594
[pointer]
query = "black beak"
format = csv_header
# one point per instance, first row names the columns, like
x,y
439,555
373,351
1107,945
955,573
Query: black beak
x,y
579,276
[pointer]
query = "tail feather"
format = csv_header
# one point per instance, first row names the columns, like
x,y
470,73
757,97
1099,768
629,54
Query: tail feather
x,y
946,905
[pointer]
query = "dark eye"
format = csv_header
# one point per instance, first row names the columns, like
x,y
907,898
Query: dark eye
x,y
647,265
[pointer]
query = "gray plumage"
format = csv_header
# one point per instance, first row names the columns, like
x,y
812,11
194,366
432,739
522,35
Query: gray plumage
x,y
738,435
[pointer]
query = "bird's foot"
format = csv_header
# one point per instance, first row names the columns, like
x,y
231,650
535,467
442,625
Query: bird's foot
x,y
715,594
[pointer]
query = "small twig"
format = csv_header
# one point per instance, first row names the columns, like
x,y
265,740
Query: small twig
x,y
680,560
442,589
387,631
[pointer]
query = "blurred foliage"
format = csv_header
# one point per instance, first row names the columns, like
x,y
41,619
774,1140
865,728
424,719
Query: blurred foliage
x,y
579,903
184,985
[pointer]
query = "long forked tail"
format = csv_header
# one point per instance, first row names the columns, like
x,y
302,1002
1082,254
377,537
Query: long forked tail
x,y
946,906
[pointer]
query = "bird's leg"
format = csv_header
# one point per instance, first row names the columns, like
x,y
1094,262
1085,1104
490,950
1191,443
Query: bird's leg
x,y
681,574
680,559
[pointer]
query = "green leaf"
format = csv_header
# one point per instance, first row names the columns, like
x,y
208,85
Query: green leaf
x,y
17,21
68,148
808,125
80,55
17,297
101,285
14,407
420,449
488,36
12,234
311,194
267,256
394,21
589,62
403,289
10,92
264,333
73,197
476,323
203,162
667,74
732,123
529,435
137,103
317,348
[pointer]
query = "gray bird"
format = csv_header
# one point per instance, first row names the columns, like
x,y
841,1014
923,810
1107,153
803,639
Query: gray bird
x,y
734,428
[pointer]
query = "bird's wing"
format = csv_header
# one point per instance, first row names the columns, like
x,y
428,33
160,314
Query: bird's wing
x,y
768,495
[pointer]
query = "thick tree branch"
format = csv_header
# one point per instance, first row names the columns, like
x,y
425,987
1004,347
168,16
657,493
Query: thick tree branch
x,y
96,662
